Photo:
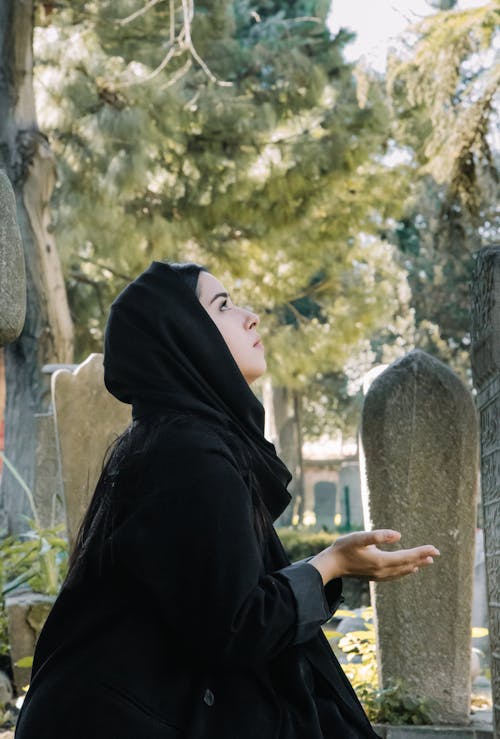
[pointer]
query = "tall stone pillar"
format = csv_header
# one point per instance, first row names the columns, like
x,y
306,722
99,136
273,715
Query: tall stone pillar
x,y
420,442
485,359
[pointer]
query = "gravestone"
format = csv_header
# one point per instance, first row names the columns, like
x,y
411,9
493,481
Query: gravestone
x,y
88,419
420,441
12,274
325,494
485,360
47,490
26,614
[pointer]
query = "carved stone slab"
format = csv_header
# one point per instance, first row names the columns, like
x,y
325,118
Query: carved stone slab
x,y
12,274
420,441
47,492
26,614
88,420
485,356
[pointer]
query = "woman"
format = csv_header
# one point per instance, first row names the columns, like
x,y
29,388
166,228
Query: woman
x,y
181,615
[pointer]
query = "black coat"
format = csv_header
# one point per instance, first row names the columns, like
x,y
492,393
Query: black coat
x,y
186,630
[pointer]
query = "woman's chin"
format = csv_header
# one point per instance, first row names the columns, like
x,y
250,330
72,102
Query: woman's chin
x,y
256,373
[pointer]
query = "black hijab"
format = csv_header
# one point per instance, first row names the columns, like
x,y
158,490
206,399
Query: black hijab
x,y
165,355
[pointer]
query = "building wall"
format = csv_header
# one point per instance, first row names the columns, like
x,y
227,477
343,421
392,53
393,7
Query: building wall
x,y
341,473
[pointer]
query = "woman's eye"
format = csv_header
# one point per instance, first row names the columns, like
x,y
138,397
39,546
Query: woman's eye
x,y
224,304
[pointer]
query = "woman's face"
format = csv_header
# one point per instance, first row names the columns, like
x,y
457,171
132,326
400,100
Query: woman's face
x,y
237,326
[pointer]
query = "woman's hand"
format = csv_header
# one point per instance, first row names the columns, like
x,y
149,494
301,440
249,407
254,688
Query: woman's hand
x,y
357,554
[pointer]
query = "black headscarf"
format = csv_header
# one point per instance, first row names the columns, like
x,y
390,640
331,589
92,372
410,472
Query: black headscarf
x,y
165,355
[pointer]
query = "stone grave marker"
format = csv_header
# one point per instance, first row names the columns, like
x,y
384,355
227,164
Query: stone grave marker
x,y
485,360
26,614
12,274
420,442
325,494
88,419
47,490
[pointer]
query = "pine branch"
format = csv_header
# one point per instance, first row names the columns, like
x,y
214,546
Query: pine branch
x,y
178,75
188,12
138,13
114,272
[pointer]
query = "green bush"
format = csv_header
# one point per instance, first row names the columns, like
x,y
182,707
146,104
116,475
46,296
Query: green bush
x,y
300,543
36,559
394,704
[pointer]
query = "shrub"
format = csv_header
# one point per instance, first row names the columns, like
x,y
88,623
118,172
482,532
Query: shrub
x,y
394,704
300,543
36,559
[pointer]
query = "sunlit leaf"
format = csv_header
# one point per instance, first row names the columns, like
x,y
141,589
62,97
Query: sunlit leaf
x,y
24,662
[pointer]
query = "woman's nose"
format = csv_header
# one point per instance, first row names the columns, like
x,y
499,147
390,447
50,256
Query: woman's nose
x,y
252,319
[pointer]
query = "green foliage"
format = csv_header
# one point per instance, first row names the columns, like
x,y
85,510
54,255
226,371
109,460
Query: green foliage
x,y
442,89
394,704
441,83
299,544
36,559
274,182
4,631
361,644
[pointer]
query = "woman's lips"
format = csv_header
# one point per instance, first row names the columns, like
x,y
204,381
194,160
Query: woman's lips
x,y
259,344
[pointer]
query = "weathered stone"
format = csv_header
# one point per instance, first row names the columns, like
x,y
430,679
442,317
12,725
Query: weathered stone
x,y
480,728
485,360
5,688
12,274
88,420
432,732
26,614
420,440
356,592
47,493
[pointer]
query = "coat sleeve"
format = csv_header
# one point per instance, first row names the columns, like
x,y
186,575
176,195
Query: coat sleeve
x,y
310,596
191,544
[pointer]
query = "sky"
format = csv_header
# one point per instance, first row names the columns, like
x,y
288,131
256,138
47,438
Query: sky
x,y
378,22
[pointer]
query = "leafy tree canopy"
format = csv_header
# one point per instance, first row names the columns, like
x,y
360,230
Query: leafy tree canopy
x,y
442,83
252,149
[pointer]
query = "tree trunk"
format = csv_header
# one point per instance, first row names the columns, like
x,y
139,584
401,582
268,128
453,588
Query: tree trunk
x,y
283,429
47,336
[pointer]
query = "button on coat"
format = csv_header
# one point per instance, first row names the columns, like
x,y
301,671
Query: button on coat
x,y
208,697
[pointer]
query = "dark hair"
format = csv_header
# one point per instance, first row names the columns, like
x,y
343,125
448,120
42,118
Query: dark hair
x,y
125,453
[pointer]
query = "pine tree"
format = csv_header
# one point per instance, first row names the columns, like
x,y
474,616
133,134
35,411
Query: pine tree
x,y
272,181
251,150
442,86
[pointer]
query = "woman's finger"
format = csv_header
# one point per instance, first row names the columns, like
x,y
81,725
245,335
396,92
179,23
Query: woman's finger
x,y
402,562
378,536
394,570
415,555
